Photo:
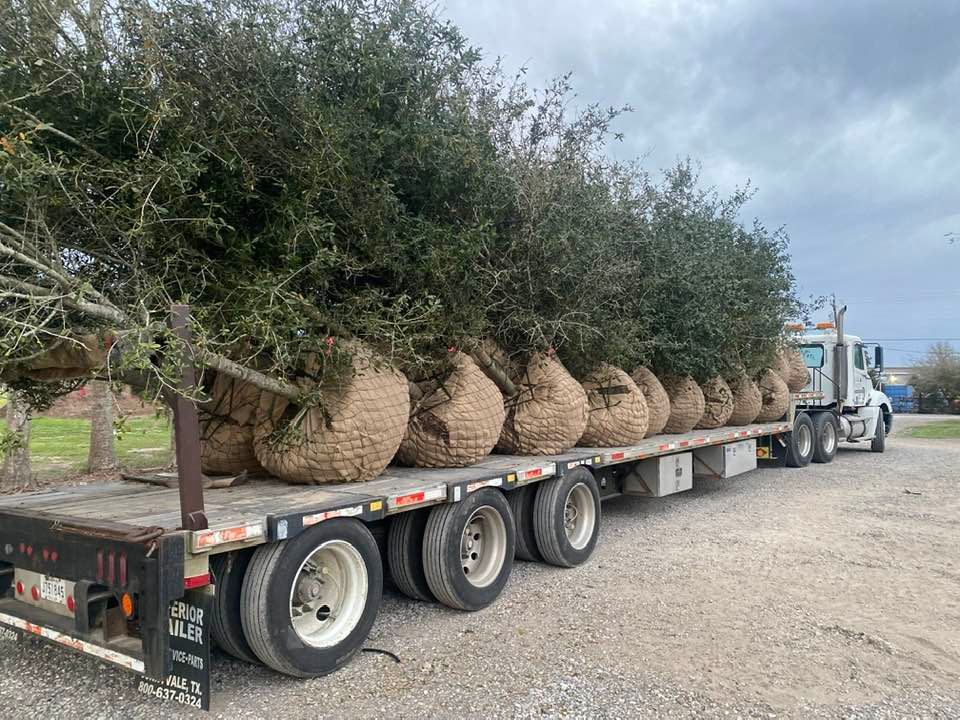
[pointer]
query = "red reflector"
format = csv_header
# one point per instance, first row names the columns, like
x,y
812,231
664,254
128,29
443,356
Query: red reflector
x,y
35,592
411,499
536,472
111,557
617,456
54,556
196,581
71,603
123,569
29,550
99,564
23,548
19,588
46,554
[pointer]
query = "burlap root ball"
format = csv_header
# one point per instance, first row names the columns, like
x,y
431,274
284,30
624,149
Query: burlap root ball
x,y
775,395
686,403
549,412
456,421
226,427
350,437
747,401
618,409
717,403
658,402
798,375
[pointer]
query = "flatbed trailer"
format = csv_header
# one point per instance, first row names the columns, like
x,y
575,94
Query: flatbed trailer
x,y
109,569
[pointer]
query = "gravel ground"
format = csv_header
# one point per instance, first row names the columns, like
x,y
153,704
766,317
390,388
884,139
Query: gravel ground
x,y
827,592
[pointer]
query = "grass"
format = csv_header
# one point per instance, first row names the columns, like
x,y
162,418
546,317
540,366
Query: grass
x,y
59,446
937,430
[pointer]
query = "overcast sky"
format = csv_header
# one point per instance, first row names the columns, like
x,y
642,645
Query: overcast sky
x,y
844,115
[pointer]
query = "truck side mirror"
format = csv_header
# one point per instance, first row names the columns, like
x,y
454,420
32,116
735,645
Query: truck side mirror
x,y
878,358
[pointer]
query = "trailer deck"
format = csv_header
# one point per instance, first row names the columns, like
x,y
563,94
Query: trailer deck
x,y
265,509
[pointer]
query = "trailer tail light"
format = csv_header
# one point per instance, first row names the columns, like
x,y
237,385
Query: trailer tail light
x,y
19,588
35,593
71,604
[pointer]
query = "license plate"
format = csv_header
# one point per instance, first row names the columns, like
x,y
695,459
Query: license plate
x,y
53,589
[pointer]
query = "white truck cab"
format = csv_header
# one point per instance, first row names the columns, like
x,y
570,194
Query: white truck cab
x,y
839,367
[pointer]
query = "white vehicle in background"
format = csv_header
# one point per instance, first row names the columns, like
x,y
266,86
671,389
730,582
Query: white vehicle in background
x,y
851,408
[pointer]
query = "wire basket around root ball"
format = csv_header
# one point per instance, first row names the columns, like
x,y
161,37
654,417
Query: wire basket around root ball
x,y
549,412
455,420
747,401
351,436
226,426
618,409
717,403
658,402
775,395
686,403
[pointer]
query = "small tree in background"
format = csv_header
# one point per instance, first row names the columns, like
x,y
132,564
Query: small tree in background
x,y
939,374
15,445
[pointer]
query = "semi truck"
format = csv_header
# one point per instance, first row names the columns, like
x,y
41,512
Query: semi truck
x,y
150,573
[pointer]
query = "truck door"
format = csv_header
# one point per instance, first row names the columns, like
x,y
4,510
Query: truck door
x,y
861,384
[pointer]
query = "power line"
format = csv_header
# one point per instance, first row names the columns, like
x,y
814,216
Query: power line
x,y
873,339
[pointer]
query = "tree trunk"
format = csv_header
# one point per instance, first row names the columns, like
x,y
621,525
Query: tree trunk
x,y
16,463
103,455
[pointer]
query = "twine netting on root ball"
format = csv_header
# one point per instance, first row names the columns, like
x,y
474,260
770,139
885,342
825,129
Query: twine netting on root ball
x,y
549,412
226,427
686,403
618,409
718,403
747,401
790,366
775,395
455,420
658,402
350,436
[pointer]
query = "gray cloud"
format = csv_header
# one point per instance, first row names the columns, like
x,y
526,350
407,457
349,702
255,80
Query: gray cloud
x,y
844,116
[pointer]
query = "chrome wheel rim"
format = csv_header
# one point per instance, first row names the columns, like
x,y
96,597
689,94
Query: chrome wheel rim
x,y
804,440
483,546
579,516
829,438
328,594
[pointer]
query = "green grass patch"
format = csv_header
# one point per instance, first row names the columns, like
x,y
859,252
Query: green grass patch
x,y
60,445
937,430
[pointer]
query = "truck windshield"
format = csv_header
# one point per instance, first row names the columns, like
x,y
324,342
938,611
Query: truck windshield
x,y
812,355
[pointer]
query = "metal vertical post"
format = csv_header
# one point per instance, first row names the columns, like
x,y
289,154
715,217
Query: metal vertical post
x,y
186,426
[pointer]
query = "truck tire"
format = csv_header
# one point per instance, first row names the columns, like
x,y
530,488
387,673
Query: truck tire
x,y
521,504
468,550
800,443
826,434
405,554
226,624
879,442
567,518
887,421
299,623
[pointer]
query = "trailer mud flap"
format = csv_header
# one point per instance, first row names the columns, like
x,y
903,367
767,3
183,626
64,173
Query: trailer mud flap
x,y
188,682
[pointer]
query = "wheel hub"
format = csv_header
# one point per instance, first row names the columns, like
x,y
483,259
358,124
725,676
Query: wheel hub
x,y
483,546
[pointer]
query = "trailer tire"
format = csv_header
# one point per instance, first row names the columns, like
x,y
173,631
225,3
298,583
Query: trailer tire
x,y
826,433
522,505
801,442
405,554
226,623
279,577
468,550
567,512
879,442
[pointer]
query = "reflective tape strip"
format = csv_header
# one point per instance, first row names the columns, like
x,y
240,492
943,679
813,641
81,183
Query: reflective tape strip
x,y
417,498
541,471
353,511
492,482
131,663
204,539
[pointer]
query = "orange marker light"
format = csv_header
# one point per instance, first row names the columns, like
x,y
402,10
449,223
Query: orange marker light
x,y
126,605
824,325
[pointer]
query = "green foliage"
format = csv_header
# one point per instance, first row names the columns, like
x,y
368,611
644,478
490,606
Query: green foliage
x,y
344,169
939,372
